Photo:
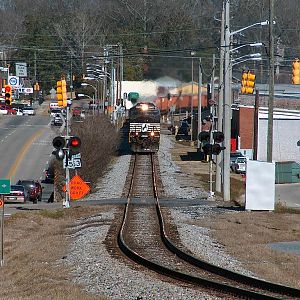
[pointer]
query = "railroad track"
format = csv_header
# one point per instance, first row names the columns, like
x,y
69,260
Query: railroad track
x,y
143,238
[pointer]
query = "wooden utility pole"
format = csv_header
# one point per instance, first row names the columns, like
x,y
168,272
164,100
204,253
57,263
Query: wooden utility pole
x,y
271,83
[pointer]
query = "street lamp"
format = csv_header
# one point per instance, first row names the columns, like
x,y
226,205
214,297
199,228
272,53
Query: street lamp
x,y
264,23
95,96
244,45
247,59
87,96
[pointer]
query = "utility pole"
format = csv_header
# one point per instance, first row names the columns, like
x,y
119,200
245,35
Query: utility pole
x,y
227,107
271,82
219,162
199,104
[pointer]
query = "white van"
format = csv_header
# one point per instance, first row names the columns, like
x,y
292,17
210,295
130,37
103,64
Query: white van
x,y
53,105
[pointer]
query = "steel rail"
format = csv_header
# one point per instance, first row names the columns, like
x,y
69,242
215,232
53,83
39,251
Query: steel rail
x,y
203,282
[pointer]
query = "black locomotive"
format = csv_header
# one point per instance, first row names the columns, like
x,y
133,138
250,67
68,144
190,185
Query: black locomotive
x,y
144,131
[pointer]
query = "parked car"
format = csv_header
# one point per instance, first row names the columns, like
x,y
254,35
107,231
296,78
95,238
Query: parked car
x,y
234,156
33,189
28,110
17,194
78,111
239,166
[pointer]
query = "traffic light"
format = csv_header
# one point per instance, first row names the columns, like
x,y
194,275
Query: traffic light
x,y
296,71
204,137
248,83
59,143
8,94
74,145
61,93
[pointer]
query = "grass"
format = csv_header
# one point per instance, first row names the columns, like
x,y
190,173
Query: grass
x,y
53,214
237,187
283,209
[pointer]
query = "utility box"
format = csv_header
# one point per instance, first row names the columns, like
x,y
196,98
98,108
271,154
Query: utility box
x,y
287,172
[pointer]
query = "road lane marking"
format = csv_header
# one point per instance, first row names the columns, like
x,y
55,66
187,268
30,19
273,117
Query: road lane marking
x,y
22,153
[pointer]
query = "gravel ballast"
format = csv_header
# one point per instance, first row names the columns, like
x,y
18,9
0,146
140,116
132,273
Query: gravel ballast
x,y
99,273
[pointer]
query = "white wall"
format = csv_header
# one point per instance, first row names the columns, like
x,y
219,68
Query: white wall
x,y
286,134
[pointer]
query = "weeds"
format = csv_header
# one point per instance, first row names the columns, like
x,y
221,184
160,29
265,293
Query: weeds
x,y
53,214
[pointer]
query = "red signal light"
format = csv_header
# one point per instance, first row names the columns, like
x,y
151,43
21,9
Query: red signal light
x,y
74,145
7,89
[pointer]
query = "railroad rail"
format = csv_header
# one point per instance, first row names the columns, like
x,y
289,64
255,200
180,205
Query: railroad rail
x,y
143,238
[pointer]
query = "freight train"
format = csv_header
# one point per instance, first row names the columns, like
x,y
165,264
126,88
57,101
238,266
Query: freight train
x,y
144,127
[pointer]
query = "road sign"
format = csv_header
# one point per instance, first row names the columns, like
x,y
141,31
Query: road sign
x,y
78,188
21,69
1,203
4,186
13,81
74,162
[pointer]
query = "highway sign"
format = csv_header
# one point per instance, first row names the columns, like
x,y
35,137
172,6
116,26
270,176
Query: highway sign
x,y
4,186
78,188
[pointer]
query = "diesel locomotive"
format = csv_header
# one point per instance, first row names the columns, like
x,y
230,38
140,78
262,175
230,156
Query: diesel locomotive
x,y
144,127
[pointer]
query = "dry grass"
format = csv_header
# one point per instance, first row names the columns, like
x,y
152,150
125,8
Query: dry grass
x,y
99,140
35,243
245,235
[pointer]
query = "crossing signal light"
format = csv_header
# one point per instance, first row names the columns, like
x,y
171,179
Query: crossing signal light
x,y
8,94
59,143
218,136
204,136
74,145
248,83
296,71
61,93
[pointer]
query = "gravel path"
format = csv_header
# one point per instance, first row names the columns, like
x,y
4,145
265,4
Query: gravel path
x,y
104,275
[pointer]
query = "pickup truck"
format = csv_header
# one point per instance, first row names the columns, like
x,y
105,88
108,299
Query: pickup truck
x,y
239,165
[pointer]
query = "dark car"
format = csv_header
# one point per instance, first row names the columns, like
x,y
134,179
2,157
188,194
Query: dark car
x,y
33,189
49,175
233,157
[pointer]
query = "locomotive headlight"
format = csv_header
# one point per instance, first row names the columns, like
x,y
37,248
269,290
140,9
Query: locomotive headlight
x,y
144,107
152,133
